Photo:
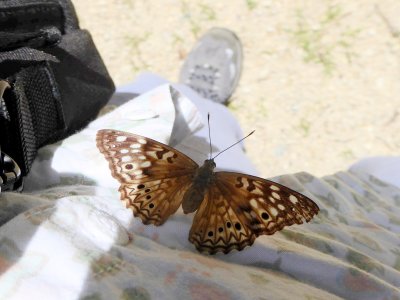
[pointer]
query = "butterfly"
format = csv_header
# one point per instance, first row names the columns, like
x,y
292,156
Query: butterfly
x,y
232,209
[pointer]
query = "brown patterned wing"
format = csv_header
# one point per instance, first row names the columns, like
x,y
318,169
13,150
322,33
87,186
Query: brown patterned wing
x,y
154,201
153,176
238,208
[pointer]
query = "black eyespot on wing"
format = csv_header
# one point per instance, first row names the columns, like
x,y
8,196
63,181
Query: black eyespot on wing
x,y
265,216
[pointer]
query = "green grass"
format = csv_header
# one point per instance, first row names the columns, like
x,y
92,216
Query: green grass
x,y
207,12
314,43
196,14
130,3
251,4
348,154
304,127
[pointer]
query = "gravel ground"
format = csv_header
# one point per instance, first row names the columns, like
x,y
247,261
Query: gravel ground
x,y
321,79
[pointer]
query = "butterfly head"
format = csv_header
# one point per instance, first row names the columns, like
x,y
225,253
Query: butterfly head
x,y
204,173
209,164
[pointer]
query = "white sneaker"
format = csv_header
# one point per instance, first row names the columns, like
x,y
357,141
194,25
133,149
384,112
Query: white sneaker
x,y
214,65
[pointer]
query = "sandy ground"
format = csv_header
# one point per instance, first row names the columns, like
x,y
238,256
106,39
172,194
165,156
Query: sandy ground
x,y
321,79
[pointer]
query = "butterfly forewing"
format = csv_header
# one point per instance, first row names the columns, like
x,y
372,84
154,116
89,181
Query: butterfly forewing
x,y
237,208
134,158
153,176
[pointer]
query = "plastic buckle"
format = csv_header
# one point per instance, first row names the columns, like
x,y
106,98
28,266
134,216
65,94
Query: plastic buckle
x,y
10,174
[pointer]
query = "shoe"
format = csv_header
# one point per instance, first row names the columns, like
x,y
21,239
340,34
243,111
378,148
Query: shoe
x,y
214,65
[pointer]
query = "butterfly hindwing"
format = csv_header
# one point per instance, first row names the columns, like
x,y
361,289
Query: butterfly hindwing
x,y
237,208
217,226
153,176
154,201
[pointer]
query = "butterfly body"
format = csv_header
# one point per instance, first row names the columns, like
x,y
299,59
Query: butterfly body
x,y
231,209
201,181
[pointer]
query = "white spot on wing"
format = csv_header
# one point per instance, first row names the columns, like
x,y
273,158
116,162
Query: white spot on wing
x,y
275,188
125,158
152,154
121,138
293,199
142,141
253,203
145,164
137,172
124,151
281,207
276,195
273,211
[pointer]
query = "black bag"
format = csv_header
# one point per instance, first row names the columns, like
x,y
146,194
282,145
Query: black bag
x,y
57,80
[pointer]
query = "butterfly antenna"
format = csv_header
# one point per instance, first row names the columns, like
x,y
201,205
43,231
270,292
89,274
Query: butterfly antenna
x,y
209,133
234,144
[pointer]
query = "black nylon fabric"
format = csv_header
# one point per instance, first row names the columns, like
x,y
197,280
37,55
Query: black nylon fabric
x,y
58,79
80,75
50,36
47,113
30,124
18,16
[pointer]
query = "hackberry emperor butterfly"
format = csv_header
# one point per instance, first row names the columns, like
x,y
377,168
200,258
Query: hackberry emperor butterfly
x,y
232,208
